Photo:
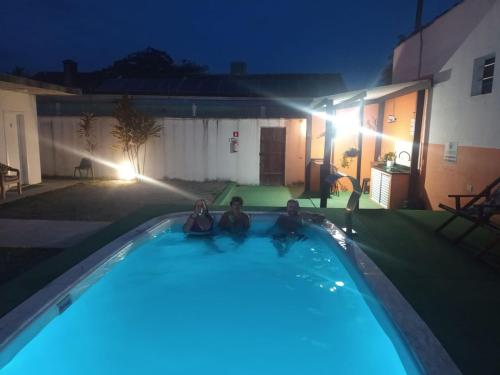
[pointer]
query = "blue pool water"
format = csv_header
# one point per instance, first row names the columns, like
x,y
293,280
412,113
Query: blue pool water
x,y
178,305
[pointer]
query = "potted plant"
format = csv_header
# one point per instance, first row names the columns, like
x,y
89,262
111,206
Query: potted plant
x,y
389,159
348,156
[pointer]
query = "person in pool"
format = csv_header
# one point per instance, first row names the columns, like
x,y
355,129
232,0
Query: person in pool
x,y
200,221
235,220
294,219
288,226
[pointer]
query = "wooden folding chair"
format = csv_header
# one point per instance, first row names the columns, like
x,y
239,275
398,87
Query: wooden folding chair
x,y
479,210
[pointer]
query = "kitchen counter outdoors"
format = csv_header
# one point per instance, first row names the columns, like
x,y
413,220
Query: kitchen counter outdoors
x,y
396,169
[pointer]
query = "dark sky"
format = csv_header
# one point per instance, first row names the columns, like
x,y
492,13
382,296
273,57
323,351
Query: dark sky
x,y
272,36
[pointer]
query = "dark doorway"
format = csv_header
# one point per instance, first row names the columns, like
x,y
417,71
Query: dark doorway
x,y
272,156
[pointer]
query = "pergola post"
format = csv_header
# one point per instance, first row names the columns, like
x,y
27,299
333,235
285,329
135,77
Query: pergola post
x,y
380,130
308,152
327,155
360,142
413,191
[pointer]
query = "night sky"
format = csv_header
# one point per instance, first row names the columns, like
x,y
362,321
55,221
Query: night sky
x,y
354,38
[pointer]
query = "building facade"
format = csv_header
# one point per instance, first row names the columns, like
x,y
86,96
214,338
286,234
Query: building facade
x,y
19,142
461,139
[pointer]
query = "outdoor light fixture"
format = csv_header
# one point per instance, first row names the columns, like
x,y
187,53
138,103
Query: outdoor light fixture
x,y
126,171
391,119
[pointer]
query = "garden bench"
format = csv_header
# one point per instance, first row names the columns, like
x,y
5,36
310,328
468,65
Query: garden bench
x,y
7,180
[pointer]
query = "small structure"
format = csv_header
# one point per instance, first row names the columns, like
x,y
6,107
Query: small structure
x,y
247,128
364,120
19,143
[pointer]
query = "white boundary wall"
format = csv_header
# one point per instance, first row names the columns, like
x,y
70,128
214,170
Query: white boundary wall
x,y
189,149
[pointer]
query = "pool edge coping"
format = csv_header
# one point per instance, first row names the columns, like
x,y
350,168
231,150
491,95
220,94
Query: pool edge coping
x,y
420,338
422,342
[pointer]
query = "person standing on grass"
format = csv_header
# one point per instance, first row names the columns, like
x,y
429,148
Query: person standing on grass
x,y
200,221
235,220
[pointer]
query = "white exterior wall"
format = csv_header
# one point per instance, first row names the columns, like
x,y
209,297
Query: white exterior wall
x,y
451,46
439,41
11,104
188,149
456,115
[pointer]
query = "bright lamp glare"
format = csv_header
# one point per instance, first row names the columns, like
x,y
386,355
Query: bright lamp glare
x,y
346,123
126,172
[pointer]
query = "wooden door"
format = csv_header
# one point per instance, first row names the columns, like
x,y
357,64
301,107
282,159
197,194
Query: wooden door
x,y
272,156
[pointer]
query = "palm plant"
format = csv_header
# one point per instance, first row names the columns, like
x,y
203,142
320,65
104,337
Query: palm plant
x,y
132,131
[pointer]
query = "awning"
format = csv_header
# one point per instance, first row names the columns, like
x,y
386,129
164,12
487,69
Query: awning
x,y
30,86
370,95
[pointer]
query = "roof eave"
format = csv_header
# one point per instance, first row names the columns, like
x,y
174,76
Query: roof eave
x,y
30,86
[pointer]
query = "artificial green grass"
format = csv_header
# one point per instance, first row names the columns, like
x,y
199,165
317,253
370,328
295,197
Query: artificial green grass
x,y
225,195
277,196
457,296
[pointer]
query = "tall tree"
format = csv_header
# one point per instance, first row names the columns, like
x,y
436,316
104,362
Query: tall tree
x,y
19,71
132,131
151,63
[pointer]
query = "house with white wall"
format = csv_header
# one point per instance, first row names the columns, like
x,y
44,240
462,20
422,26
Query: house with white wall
x,y
19,143
458,51
250,129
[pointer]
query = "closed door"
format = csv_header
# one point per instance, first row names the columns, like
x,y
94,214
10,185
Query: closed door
x,y
23,151
272,156
12,140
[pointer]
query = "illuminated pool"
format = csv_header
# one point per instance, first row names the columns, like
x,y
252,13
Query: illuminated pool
x,y
177,305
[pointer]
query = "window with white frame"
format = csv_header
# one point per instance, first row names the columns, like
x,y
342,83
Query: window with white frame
x,y
484,72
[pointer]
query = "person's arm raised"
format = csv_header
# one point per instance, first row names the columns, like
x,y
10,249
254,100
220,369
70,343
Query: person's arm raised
x,y
189,223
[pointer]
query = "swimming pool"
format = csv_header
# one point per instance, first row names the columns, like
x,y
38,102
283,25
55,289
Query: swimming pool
x,y
167,304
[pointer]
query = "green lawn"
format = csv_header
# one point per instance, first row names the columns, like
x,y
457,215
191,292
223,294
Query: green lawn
x,y
456,295
277,196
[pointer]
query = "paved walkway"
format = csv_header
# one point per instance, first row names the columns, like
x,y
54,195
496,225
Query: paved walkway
x,y
45,186
46,233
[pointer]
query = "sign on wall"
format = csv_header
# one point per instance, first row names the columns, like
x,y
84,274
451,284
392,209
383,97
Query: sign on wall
x,y
450,151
